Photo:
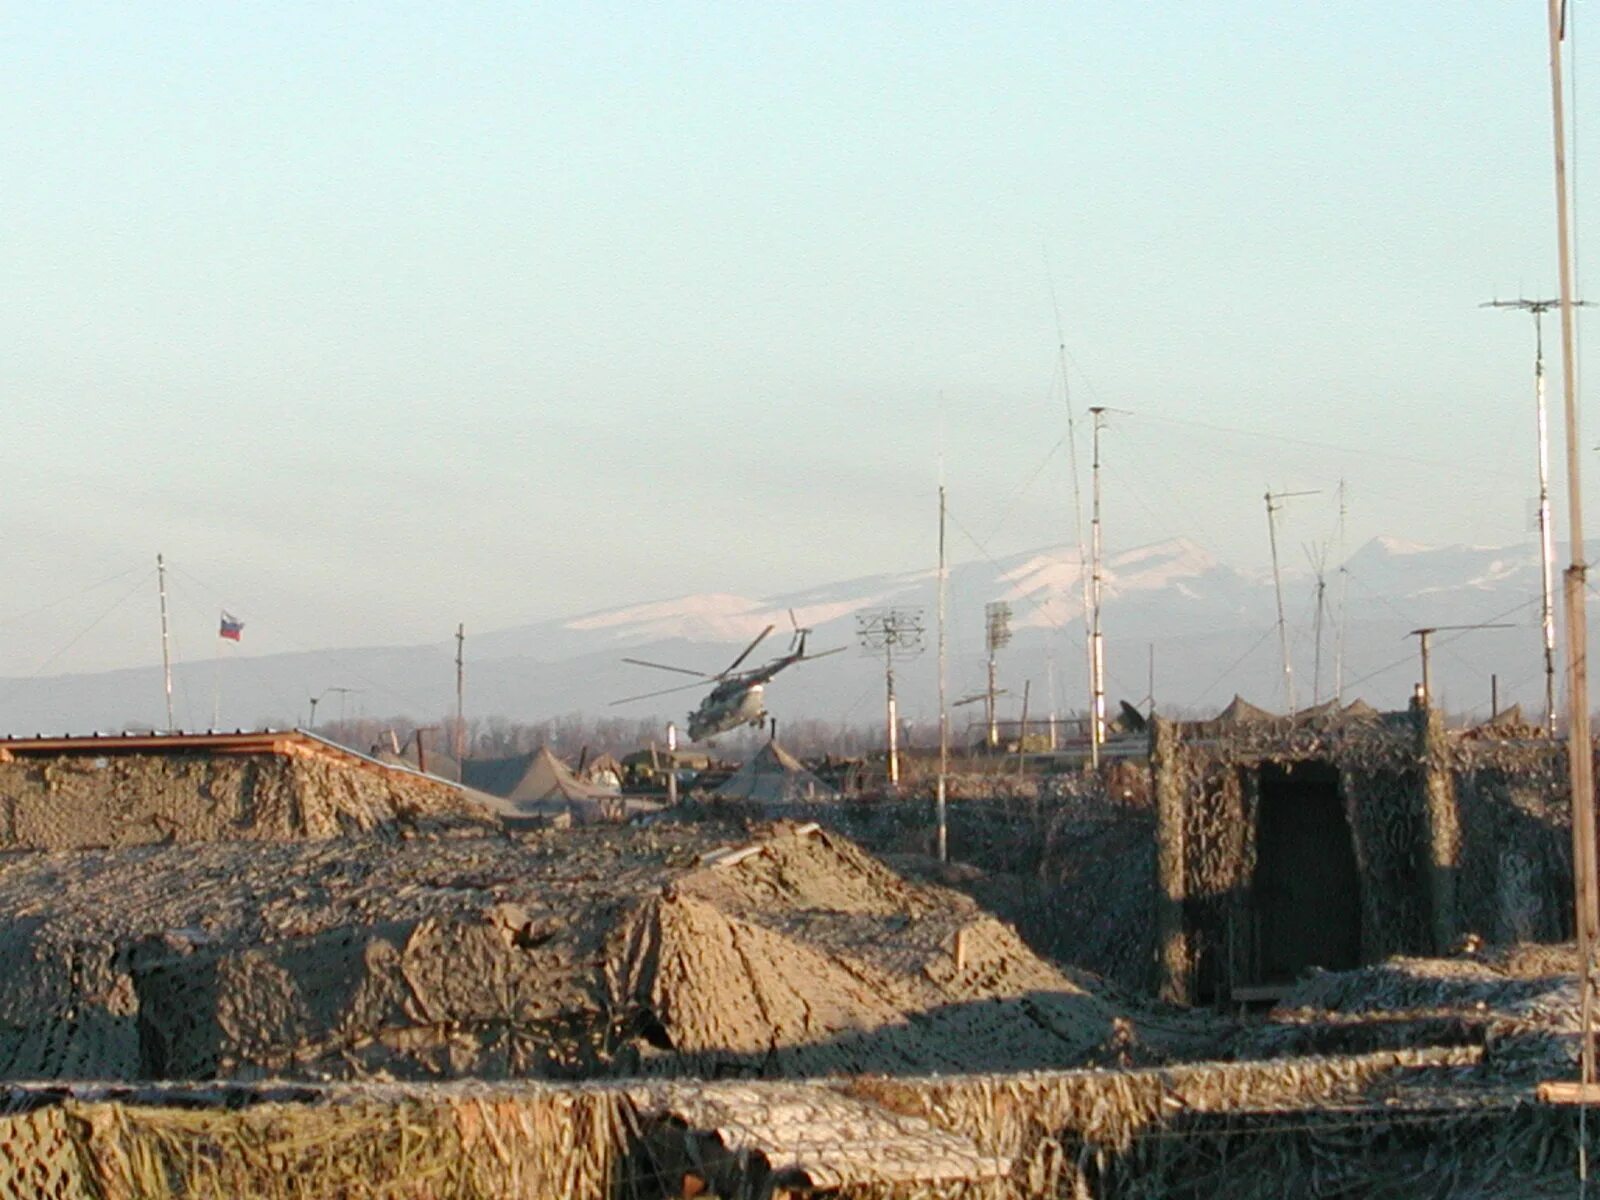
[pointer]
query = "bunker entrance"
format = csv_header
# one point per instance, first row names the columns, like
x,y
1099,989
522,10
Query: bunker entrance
x,y
1307,892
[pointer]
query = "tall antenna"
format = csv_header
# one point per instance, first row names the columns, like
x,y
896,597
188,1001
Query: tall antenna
x,y
896,633
166,640
996,634
1319,571
1274,503
1077,488
1547,542
461,718
1344,608
1097,652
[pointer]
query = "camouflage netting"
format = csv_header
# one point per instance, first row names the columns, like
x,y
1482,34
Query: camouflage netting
x,y
1515,878
1451,834
558,954
1397,1123
1519,1002
1068,860
81,801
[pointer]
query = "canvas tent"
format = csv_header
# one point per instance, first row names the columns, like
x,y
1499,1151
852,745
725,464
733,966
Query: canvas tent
x,y
546,787
774,776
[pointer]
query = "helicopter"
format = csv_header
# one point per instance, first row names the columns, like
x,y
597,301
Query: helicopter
x,y
736,697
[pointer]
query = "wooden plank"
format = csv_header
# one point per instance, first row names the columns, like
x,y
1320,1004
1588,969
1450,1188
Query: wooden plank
x,y
1567,1091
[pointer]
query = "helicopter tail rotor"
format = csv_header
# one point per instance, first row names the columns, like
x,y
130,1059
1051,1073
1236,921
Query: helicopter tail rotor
x,y
797,640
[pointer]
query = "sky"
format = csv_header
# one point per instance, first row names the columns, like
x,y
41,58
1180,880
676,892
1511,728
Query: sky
x,y
378,318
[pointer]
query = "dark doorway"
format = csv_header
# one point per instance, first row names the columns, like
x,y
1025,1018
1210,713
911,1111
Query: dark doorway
x,y
1307,892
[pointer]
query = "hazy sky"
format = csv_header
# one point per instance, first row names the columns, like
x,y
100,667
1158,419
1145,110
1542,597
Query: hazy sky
x,y
375,318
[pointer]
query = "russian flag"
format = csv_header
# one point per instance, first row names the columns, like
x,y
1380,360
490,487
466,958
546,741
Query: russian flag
x,y
232,628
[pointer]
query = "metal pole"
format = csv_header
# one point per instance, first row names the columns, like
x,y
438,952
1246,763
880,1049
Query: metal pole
x,y
1547,543
993,735
1097,659
312,723
672,763
1427,679
1022,729
892,739
461,719
1150,685
1579,748
1274,504
1547,537
1494,696
1277,584
944,711
1050,682
166,640
1344,596
1316,662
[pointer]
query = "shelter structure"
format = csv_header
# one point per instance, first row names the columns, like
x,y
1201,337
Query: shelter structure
x,y
61,793
667,950
1344,836
540,787
774,776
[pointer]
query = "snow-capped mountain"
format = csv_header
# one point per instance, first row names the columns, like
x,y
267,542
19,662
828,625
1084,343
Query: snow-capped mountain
x,y
1209,628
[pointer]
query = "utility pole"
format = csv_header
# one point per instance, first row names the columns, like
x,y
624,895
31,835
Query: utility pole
x,y
1150,683
897,633
1424,636
1022,727
1579,747
944,710
461,720
1274,503
1547,541
1097,653
996,634
341,692
166,640
422,746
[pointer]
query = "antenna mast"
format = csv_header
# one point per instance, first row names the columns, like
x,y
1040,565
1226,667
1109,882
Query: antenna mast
x,y
1274,503
996,633
1547,542
1097,654
1344,609
1319,565
461,721
1077,499
166,640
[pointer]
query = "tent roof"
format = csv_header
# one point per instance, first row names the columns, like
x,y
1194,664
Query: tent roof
x,y
548,778
1241,712
774,775
497,776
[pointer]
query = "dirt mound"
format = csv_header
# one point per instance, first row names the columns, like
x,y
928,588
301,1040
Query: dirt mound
x,y
561,954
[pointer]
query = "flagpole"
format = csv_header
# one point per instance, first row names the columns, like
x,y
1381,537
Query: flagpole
x,y
166,642
216,685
